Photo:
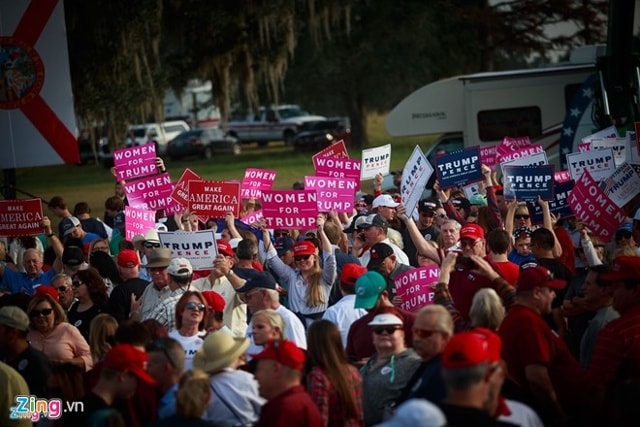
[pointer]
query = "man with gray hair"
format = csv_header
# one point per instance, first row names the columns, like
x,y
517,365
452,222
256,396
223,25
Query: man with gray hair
x,y
180,275
261,293
62,283
432,330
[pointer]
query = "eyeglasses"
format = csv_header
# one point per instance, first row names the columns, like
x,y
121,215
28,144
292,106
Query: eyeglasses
x,y
378,330
151,245
301,257
521,216
195,306
423,333
161,345
441,216
43,312
280,233
77,283
468,242
100,249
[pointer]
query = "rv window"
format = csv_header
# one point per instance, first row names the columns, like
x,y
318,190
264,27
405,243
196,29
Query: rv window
x,y
493,125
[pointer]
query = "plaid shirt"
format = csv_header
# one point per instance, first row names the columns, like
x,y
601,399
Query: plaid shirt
x,y
332,409
165,311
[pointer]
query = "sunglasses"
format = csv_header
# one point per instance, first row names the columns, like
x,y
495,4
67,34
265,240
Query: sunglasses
x,y
378,330
61,289
151,245
423,333
441,216
521,216
301,257
195,306
280,234
470,243
43,312
77,283
100,249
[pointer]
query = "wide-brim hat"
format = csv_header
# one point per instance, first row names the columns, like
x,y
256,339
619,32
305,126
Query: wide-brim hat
x,y
158,258
219,351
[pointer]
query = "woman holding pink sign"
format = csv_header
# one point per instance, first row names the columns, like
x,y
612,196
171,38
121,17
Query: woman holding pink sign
x,y
309,284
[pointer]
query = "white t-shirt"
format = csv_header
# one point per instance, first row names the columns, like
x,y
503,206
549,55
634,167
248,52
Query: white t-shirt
x,y
293,330
191,345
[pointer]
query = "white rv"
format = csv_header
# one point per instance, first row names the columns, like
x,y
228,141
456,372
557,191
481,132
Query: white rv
x,y
481,109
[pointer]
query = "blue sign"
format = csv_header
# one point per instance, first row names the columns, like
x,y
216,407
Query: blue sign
x,y
559,206
528,182
459,168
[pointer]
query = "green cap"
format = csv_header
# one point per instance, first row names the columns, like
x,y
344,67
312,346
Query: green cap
x,y
369,286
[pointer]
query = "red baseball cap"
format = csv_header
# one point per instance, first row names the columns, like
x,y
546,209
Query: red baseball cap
x,y
284,352
128,258
215,301
304,247
471,348
533,275
127,358
224,248
472,231
48,290
624,268
350,273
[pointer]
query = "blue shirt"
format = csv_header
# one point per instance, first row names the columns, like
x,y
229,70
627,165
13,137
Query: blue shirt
x,y
19,283
167,404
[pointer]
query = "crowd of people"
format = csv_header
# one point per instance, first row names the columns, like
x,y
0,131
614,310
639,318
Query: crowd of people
x,y
531,324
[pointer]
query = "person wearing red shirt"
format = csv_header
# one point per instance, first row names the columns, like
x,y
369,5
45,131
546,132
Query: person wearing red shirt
x,y
498,246
279,374
615,365
537,359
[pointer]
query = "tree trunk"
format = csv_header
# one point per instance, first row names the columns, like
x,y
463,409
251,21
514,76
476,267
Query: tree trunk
x,y
358,118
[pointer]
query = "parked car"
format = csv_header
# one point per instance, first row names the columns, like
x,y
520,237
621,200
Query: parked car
x,y
202,143
275,123
322,133
161,133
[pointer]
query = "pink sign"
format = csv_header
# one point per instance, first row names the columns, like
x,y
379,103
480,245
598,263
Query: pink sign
x,y
255,181
520,153
584,146
334,194
253,217
562,176
594,208
338,167
512,145
181,190
173,207
414,287
134,162
334,150
20,218
138,221
150,193
488,156
290,209
213,199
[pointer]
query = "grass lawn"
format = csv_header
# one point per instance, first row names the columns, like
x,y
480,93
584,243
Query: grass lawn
x,y
93,184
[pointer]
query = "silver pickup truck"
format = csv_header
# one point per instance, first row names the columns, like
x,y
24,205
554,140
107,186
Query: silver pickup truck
x,y
278,123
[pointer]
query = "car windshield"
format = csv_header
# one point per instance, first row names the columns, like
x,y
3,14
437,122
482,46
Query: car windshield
x,y
288,112
321,125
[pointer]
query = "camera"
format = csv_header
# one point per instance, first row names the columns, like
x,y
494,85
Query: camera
x,y
464,263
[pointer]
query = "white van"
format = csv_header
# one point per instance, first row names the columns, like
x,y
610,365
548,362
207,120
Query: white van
x,y
481,109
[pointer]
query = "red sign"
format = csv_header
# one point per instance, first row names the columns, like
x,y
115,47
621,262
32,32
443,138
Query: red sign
x,y
20,218
181,190
213,199
334,150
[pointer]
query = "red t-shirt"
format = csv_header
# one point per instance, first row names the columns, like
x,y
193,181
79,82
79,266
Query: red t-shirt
x,y
509,271
528,340
292,408
463,285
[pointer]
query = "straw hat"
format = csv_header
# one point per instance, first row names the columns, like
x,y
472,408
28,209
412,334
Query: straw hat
x,y
219,350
